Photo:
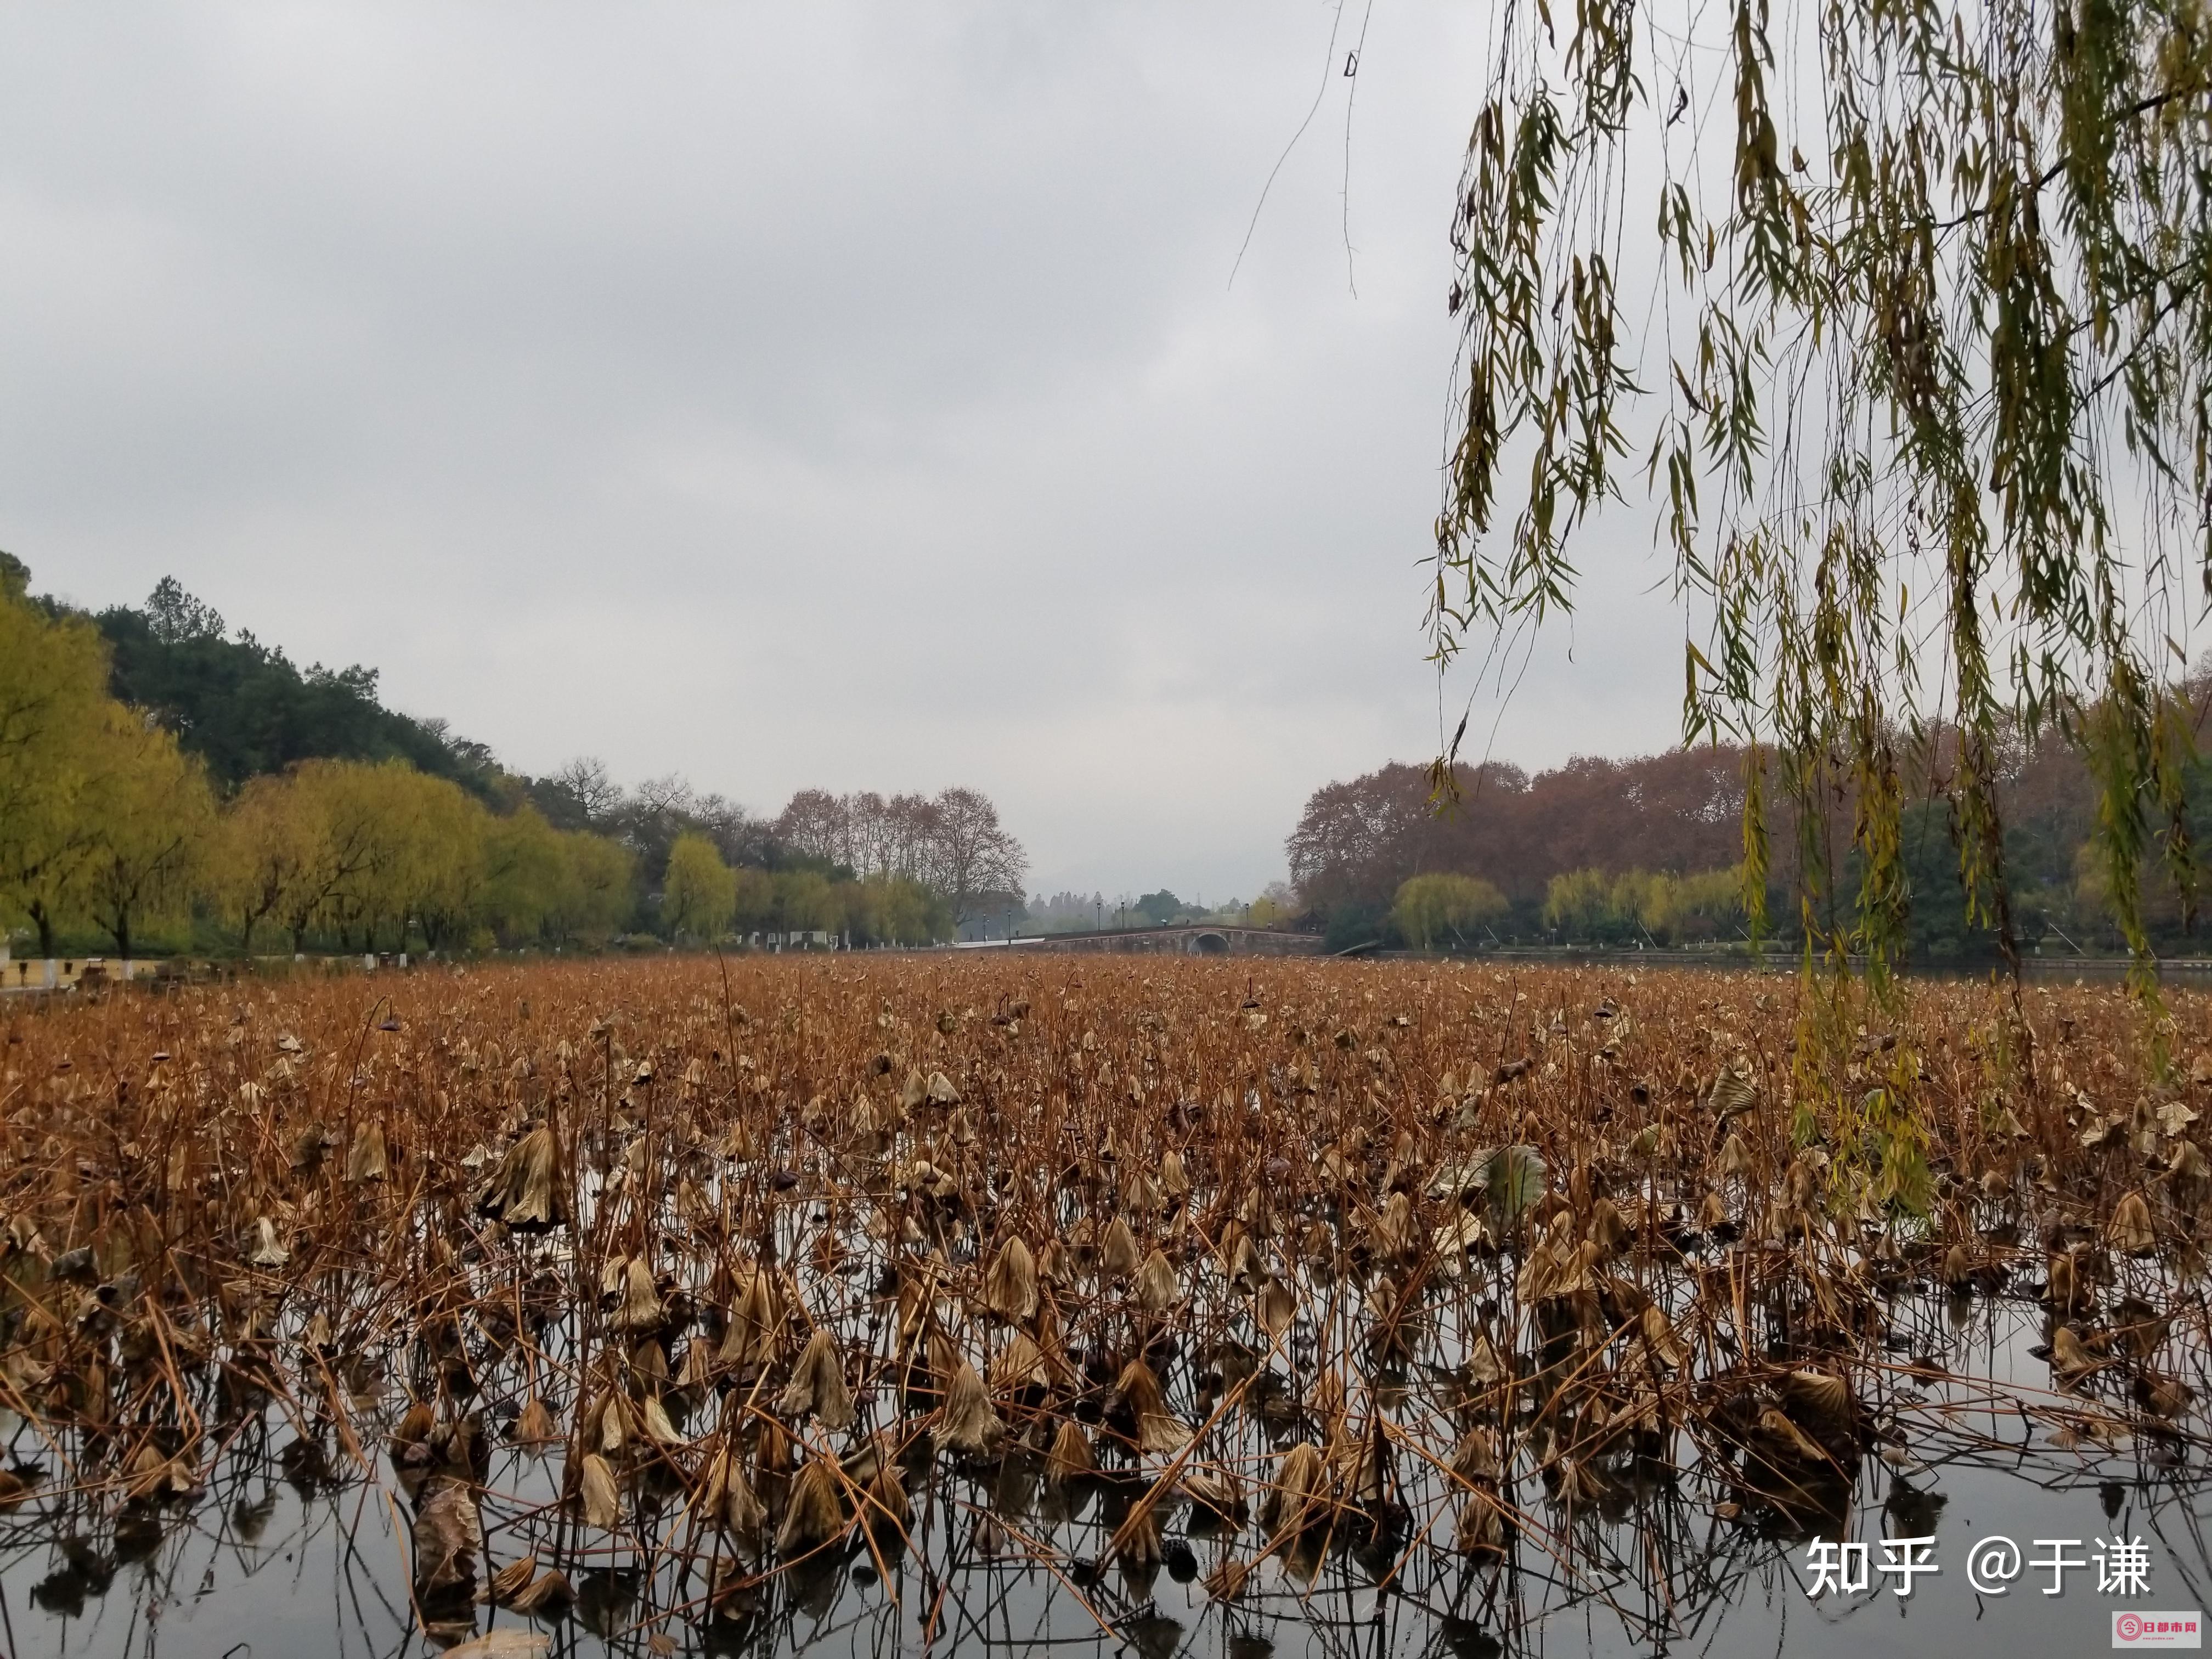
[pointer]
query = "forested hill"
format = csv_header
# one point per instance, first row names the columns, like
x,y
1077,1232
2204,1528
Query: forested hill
x,y
246,708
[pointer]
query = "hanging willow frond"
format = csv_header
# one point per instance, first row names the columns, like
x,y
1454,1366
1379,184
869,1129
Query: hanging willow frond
x,y
1916,366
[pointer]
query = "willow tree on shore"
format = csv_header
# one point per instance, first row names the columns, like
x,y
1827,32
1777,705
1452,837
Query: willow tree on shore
x,y
1897,314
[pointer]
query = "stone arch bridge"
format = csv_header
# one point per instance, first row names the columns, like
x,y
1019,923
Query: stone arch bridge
x,y
1191,939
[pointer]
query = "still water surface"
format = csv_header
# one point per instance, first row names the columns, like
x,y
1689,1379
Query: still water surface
x,y
288,1550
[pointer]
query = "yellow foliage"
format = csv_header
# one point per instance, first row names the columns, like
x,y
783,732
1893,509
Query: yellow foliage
x,y
1579,901
895,910
1665,907
54,710
148,815
1436,908
594,891
101,817
699,895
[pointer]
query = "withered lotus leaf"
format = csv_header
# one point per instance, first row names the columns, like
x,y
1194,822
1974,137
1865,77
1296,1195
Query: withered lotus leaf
x,y
600,1497
639,1307
1172,1180
2069,1358
368,1158
510,1581
523,1192
1481,1528
1159,1288
727,1499
883,1501
549,1592
966,1423
654,1418
1819,1400
814,1514
1226,1581
1069,1458
2130,1230
449,1539
1117,1252
1020,1365
1475,1457
1010,1288
1298,1497
817,1385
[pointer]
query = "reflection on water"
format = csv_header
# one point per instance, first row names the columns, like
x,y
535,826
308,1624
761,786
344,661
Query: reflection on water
x,y
292,1546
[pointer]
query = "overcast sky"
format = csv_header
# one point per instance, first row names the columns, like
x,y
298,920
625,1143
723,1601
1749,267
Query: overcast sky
x,y
785,396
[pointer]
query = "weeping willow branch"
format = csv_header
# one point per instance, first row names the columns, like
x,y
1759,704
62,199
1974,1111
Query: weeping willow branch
x,y
1919,391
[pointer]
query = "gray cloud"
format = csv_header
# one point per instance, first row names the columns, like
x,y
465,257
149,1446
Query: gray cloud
x,y
838,395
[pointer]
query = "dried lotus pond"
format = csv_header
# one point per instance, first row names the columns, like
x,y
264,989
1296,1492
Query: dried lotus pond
x,y
901,1303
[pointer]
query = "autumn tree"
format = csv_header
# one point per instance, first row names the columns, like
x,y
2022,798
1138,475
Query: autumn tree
x,y
974,854
753,904
817,824
1698,905
1579,902
1431,910
594,893
107,816
587,783
440,875
524,867
150,812
246,710
54,714
1356,842
342,825
1278,906
885,910
871,836
806,903
699,894
952,843
266,851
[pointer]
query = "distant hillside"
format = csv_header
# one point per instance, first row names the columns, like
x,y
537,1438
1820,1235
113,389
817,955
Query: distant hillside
x,y
246,709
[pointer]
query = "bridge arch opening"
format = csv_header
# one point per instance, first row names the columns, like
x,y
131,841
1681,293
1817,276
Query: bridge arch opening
x,y
1210,945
